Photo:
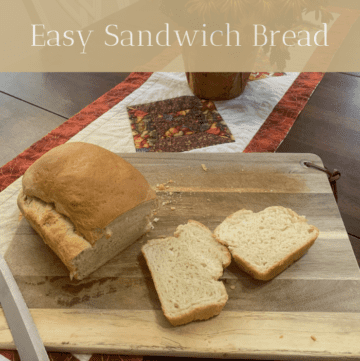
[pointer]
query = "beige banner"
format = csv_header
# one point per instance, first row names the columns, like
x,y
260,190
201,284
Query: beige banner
x,y
179,35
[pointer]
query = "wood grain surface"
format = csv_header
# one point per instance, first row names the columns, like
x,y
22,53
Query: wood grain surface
x,y
72,91
117,310
29,111
248,335
329,126
21,125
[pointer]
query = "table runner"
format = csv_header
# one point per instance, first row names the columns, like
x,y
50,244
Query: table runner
x,y
259,119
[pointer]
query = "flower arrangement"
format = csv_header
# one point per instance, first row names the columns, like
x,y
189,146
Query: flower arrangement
x,y
242,14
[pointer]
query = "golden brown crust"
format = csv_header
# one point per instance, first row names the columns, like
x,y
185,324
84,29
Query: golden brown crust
x,y
176,234
197,314
89,184
54,229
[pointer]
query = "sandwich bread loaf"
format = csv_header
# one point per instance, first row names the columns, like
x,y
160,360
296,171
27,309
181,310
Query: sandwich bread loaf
x,y
86,203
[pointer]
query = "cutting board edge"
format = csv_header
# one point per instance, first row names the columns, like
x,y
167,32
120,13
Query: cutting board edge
x,y
305,335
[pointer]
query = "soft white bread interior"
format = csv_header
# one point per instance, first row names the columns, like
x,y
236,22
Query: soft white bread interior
x,y
185,270
264,244
87,204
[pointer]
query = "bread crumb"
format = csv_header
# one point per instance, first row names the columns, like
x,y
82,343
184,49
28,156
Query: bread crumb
x,y
172,208
161,187
108,233
282,336
313,338
204,167
170,181
232,287
170,193
156,220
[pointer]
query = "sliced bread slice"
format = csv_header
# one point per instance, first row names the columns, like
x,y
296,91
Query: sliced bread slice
x,y
185,270
264,244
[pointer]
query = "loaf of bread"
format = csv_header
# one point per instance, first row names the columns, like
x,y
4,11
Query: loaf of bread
x,y
185,270
264,244
87,204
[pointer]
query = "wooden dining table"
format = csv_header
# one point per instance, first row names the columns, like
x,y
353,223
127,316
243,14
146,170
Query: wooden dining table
x,y
310,311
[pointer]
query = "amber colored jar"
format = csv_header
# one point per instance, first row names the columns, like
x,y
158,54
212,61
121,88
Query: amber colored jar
x,y
217,86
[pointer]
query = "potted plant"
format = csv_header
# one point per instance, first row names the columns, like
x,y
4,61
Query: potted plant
x,y
241,15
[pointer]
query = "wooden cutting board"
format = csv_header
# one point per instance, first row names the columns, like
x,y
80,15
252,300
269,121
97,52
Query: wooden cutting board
x,y
311,310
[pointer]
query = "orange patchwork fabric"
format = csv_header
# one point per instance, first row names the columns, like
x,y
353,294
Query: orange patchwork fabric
x,y
177,125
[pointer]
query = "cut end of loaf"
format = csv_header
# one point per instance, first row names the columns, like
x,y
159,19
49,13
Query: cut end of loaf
x,y
124,231
78,255
185,270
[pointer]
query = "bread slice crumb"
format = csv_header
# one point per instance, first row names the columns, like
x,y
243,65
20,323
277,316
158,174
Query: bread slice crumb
x,y
264,244
204,167
186,269
313,338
